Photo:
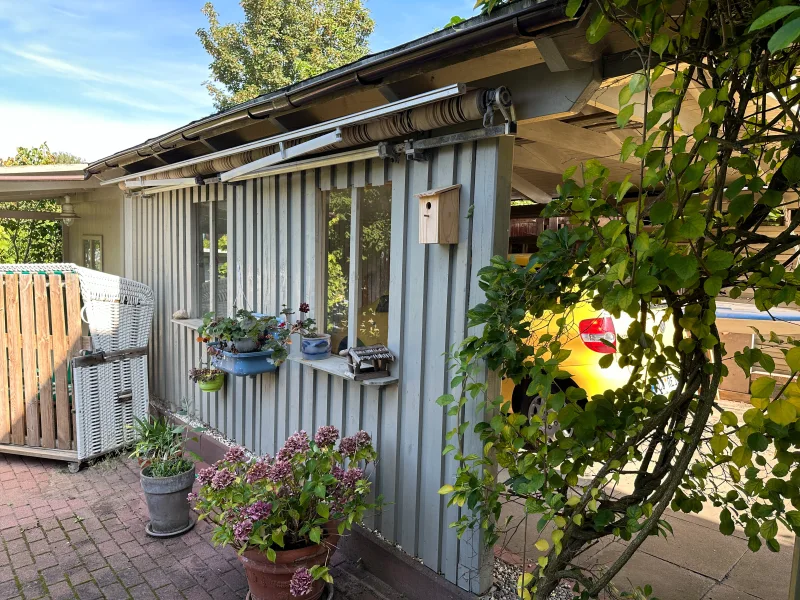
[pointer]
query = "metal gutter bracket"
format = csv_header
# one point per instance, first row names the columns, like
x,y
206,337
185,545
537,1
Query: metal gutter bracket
x,y
413,153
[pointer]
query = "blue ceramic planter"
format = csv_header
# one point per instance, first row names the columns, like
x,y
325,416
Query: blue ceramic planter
x,y
243,364
316,348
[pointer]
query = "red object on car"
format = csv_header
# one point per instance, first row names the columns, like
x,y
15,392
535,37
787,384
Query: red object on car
x,y
599,334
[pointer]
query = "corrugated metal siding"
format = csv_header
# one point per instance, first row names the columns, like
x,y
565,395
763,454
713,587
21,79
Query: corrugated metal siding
x,y
273,232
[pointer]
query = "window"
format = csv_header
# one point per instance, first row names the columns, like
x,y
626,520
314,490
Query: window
x,y
93,252
358,293
212,263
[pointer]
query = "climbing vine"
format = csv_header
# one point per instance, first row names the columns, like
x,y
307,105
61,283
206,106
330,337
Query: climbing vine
x,y
715,141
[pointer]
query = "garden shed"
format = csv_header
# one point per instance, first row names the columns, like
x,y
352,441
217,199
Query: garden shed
x,y
318,193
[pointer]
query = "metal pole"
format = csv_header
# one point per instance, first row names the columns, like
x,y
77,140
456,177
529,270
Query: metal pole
x,y
794,586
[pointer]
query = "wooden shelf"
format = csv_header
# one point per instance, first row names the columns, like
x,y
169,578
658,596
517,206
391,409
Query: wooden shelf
x,y
338,366
190,323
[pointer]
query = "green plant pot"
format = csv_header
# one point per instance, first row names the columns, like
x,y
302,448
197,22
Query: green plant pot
x,y
214,385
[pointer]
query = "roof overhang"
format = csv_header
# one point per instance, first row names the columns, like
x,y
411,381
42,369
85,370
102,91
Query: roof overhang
x,y
39,182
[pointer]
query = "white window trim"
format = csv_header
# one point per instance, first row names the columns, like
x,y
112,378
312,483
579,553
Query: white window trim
x,y
211,207
93,238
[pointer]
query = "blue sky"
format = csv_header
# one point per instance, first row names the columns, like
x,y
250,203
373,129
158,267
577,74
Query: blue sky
x,y
95,76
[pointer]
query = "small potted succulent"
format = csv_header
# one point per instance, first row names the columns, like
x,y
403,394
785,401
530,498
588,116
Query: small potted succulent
x,y
313,344
167,476
246,344
284,515
208,379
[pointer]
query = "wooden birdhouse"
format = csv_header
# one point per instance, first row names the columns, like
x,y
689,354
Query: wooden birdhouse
x,y
369,362
438,215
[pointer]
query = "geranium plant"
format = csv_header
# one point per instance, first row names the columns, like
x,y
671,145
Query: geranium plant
x,y
305,326
310,493
204,374
267,332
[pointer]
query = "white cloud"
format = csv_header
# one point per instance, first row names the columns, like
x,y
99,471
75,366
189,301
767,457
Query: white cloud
x,y
81,132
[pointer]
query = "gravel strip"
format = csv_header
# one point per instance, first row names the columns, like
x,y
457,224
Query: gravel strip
x,y
505,584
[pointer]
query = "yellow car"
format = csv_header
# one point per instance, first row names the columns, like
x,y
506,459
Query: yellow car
x,y
591,335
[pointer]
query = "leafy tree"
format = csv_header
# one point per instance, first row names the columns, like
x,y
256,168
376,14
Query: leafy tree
x,y
281,42
686,234
28,240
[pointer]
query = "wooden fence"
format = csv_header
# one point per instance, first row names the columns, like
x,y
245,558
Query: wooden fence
x,y
40,332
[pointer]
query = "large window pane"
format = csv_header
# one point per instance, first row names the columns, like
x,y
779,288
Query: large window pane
x,y
338,244
204,257
221,230
375,226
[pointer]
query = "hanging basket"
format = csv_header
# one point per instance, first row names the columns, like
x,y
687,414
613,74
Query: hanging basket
x,y
213,385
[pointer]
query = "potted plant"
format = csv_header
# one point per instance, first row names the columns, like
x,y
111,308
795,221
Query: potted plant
x,y
284,515
245,344
313,344
167,476
208,379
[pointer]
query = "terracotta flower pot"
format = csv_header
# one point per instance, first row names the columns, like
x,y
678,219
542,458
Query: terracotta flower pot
x,y
270,580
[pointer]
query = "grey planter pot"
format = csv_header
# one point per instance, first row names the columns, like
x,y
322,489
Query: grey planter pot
x,y
167,503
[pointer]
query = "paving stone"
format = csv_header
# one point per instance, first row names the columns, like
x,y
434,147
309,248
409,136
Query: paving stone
x,y
88,591
60,591
142,592
115,591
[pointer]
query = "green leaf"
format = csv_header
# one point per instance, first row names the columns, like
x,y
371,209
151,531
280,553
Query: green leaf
x,y
741,205
693,227
754,544
598,28
665,101
323,511
793,358
707,97
572,7
769,529
606,360
638,83
624,115
727,527
625,95
628,147
315,535
659,43
782,412
762,387
771,16
661,212
757,442
719,443
684,266
791,169
712,285
446,489
785,36
646,284
718,260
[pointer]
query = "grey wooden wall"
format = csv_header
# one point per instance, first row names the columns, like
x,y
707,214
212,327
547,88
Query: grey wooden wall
x,y
273,249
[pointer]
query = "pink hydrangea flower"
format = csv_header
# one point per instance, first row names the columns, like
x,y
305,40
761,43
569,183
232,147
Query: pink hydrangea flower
x,y
242,531
222,479
234,454
296,444
205,476
301,582
352,476
280,471
326,436
259,471
258,510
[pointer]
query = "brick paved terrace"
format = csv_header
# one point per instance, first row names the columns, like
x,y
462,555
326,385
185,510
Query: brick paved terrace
x,y
82,536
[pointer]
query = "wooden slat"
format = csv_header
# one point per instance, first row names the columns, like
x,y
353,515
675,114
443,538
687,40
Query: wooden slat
x,y
74,323
60,344
45,362
15,361
31,382
5,405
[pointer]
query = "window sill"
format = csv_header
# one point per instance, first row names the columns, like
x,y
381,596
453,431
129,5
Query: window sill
x,y
190,323
338,366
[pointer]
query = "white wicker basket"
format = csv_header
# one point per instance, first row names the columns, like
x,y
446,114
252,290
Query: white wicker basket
x,y
108,396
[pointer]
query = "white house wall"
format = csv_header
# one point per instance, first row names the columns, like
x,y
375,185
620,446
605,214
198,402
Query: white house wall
x,y
100,213
272,253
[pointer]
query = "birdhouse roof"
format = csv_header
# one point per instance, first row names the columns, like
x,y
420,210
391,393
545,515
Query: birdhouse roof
x,y
438,191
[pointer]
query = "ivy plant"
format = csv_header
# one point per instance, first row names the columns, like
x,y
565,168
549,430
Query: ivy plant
x,y
663,246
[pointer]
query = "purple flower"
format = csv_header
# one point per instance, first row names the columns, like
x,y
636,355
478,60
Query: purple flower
x,y
259,470
192,497
326,436
222,480
301,582
280,471
350,445
337,472
258,510
242,531
234,454
205,476
352,476
296,444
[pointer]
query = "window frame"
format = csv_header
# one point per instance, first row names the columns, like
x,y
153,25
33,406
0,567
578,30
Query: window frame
x,y
92,238
354,274
213,264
